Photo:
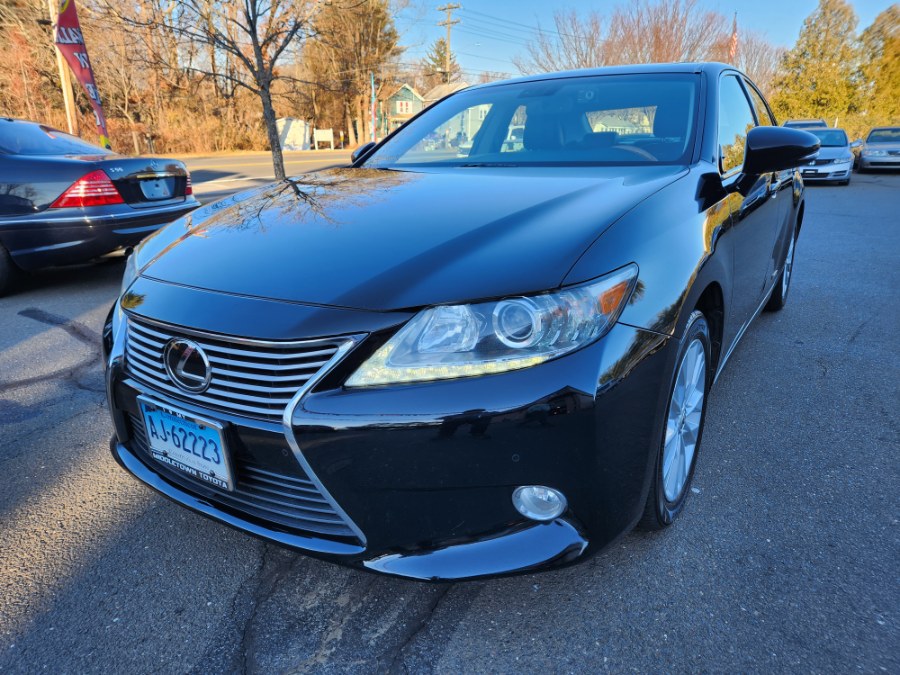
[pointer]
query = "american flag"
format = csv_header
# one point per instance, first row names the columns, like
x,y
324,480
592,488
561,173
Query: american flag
x,y
733,45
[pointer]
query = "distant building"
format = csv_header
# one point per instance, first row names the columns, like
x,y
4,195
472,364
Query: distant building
x,y
402,105
442,90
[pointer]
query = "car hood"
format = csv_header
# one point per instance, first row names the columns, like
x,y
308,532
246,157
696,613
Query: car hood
x,y
387,239
841,152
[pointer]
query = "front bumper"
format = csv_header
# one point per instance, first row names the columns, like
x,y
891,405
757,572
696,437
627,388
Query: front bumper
x,y
826,172
427,471
53,237
886,162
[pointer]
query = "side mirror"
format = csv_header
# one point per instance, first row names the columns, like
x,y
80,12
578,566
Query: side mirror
x,y
855,144
361,150
772,149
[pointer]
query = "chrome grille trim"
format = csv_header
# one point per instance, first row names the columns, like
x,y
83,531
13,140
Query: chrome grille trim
x,y
287,500
342,346
252,378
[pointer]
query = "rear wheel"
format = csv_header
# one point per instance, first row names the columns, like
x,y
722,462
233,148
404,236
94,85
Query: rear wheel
x,y
783,285
685,416
8,271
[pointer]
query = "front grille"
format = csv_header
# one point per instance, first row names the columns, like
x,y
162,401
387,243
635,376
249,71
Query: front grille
x,y
292,501
250,378
821,162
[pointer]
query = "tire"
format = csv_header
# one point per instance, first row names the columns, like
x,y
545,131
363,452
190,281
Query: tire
x,y
8,271
779,294
675,462
845,182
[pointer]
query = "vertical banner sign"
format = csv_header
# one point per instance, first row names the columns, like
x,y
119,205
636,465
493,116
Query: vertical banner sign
x,y
70,42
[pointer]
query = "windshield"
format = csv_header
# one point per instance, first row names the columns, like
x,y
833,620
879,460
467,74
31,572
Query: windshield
x,y
17,138
884,136
830,138
598,120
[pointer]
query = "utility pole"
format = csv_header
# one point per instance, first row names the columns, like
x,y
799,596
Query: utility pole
x,y
448,22
65,81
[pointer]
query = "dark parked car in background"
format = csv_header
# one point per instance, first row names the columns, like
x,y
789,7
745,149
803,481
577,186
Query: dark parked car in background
x,y
835,159
445,367
63,200
881,149
805,124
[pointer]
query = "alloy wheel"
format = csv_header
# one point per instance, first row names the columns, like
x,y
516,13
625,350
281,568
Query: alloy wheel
x,y
788,267
683,421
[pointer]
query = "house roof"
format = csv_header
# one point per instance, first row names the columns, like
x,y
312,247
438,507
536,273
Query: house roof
x,y
443,90
411,89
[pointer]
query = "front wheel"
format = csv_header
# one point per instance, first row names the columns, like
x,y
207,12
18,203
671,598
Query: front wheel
x,y
685,416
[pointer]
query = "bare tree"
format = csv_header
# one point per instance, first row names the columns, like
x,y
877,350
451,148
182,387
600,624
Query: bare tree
x,y
575,42
759,58
255,35
646,31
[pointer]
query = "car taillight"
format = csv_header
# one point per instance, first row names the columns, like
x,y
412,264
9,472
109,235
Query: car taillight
x,y
188,188
94,189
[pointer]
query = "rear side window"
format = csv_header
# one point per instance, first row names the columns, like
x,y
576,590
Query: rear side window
x,y
763,117
36,139
735,120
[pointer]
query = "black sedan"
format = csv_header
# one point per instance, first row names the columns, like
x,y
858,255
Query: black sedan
x,y
63,200
446,364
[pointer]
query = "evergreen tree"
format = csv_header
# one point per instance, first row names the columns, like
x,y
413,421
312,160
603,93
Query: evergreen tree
x,y
434,64
881,67
818,77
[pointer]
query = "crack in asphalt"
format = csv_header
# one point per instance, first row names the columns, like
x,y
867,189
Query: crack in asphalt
x,y
267,582
397,665
335,630
75,329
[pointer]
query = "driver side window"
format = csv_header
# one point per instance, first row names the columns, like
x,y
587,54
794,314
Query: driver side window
x,y
735,120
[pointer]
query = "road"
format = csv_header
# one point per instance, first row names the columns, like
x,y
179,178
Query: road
x,y
785,560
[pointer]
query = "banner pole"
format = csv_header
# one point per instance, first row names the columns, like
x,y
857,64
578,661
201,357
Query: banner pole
x,y
65,81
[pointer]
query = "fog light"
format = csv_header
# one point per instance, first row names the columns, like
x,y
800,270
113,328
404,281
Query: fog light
x,y
538,502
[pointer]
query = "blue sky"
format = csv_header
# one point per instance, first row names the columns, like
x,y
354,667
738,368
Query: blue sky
x,y
487,38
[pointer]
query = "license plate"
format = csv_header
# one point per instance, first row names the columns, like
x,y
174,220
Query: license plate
x,y
157,189
193,446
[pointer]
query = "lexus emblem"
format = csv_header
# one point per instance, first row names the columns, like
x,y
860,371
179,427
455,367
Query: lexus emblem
x,y
187,365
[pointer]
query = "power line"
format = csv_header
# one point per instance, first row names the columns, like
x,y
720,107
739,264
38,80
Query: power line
x,y
509,23
489,58
471,31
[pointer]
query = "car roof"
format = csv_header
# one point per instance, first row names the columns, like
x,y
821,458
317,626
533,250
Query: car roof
x,y
635,69
883,129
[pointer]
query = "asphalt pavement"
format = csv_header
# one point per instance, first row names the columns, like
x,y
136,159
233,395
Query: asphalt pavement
x,y
786,559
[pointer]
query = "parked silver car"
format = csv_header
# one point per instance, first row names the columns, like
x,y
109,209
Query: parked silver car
x,y
835,159
881,149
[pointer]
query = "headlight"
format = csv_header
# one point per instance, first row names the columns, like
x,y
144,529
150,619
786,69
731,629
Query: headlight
x,y
130,273
874,153
842,160
452,341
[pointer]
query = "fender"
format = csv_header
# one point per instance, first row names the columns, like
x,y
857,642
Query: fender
x,y
672,239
